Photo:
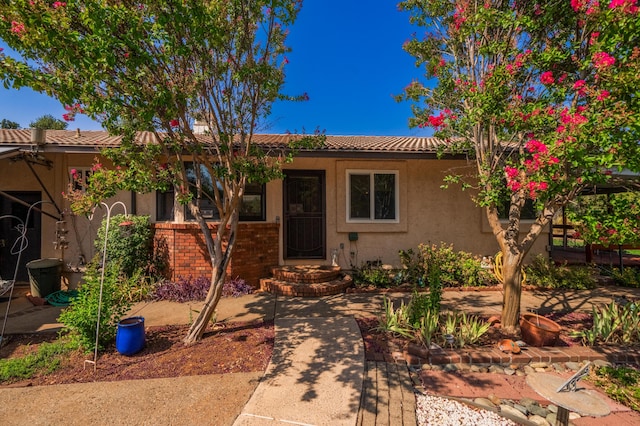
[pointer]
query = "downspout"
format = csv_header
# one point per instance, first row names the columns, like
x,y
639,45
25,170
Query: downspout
x,y
134,204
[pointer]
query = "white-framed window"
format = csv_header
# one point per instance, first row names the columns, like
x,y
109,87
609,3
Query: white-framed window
x,y
79,177
372,196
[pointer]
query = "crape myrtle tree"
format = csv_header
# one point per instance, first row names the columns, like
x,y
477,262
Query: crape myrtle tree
x,y
543,95
158,66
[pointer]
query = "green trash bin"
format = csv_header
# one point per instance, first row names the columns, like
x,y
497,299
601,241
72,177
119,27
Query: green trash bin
x,y
44,276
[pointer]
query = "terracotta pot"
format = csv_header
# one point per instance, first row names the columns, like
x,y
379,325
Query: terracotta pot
x,y
538,330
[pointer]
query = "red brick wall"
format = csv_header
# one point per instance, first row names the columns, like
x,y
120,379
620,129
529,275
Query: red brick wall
x,y
255,252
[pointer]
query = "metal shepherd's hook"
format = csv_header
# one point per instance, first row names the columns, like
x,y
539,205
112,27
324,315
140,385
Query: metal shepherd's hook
x,y
104,262
17,248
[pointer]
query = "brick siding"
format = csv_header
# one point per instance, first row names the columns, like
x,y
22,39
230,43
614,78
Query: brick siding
x,y
256,250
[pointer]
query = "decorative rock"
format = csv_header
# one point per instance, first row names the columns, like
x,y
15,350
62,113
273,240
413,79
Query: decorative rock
x,y
558,367
528,369
574,416
537,420
509,371
485,402
536,365
496,369
552,408
427,367
520,373
521,408
436,368
602,363
528,402
474,368
575,366
551,418
509,410
538,411
450,368
540,370
497,401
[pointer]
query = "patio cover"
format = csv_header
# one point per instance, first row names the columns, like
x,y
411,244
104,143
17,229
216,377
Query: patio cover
x,y
8,152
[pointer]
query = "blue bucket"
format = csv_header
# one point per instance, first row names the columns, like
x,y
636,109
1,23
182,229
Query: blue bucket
x,y
130,335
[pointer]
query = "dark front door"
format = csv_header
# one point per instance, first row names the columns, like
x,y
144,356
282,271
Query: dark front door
x,y
304,214
10,243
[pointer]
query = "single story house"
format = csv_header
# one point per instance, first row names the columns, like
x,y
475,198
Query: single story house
x,y
356,199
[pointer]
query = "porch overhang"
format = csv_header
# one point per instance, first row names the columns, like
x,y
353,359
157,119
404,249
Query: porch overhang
x,y
8,152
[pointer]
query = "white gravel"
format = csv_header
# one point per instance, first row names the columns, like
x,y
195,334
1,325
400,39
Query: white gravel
x,y
433,410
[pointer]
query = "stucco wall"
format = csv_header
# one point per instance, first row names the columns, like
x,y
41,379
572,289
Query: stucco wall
x,y
427,213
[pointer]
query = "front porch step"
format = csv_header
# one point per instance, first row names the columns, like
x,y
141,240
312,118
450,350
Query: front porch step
x,y
289,288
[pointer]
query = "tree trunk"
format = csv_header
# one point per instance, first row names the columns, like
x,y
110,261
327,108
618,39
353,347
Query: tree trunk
x,y
220,258
206,313
511,272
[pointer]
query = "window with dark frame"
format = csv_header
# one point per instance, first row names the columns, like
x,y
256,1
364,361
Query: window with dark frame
x,y
372,196
253,207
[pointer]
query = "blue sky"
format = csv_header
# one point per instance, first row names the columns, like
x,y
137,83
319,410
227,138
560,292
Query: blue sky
x,y
346,55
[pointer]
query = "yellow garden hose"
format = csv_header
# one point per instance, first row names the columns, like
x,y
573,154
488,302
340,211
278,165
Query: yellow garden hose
x,y
497,269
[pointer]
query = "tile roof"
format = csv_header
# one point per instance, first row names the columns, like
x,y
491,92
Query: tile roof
x,y
68,140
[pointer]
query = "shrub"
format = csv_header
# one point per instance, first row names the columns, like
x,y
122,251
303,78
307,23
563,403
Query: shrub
x,y
130,243
619,383
236,287
456,268
629,277
139,287
373,273
419,320
613,323
544,273
184,290
81,317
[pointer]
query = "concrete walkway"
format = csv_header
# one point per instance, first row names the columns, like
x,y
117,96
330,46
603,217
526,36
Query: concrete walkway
x,y
314,377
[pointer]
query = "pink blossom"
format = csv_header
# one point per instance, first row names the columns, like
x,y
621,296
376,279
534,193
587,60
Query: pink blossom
x,y
578,84
577,4
511,172
17,27
458,19
535,145
603,60
579,87
593,37
57,4
628,6
603,95
436,121
74,172
514,185
174,123
547,78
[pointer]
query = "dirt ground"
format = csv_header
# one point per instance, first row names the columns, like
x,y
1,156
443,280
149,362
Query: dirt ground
x,y
227,348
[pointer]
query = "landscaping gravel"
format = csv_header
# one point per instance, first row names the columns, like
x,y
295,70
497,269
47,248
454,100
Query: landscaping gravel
x,y
434,410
